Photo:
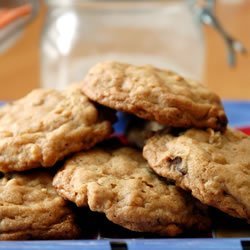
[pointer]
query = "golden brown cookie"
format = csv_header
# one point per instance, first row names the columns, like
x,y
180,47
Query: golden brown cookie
x,y
154,94
214,166
30,208
45,126
120,184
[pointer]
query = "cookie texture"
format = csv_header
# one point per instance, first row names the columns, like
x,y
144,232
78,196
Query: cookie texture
x,y
214,166
120,184
154,94
47,125
30,208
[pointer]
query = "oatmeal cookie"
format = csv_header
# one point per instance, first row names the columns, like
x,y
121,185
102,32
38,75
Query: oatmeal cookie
x,y
154,94
214,166
30,208
120,184
46,125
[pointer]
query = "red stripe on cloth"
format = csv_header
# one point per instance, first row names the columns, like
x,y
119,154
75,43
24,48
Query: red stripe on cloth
x,y
245,130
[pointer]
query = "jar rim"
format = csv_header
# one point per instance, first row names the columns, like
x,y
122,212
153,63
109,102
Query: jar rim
x,y
79,2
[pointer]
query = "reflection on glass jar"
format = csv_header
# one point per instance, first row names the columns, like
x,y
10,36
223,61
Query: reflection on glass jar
x,y
78,34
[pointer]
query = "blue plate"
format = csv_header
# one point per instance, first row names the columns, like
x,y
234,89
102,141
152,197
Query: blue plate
x,y
238,113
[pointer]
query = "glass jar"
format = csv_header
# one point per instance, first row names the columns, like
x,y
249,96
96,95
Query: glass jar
x,y
79,33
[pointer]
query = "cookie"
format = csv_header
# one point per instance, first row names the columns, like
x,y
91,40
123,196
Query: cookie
x,y
214,166
45,126
154,94
120,184
30,208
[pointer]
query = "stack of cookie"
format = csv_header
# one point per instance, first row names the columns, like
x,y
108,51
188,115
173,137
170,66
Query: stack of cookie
x,y
49,156
36,132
